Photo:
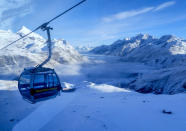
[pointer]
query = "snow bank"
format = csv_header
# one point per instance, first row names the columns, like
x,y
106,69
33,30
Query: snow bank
x,y
107,88
8,85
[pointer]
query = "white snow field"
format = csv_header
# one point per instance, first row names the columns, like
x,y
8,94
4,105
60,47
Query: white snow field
x,y
12,107
97,104
104,107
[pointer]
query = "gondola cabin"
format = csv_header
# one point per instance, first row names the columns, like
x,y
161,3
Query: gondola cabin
x,y
37,84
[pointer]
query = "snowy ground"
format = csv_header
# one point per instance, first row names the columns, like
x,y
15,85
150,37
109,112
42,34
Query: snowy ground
x,y
95,105
98,109
12,107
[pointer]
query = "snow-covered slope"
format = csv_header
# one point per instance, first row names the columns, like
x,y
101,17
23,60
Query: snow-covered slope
x,y
31,51
107,108
164,52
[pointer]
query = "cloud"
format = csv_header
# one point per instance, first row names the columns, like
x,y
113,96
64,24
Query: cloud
x,y
131,13
127,14
12,9
164,5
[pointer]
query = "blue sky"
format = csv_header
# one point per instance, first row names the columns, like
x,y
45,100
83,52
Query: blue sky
x,y
97,22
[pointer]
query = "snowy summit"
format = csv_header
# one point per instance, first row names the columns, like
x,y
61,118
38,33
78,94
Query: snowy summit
x,y
23,31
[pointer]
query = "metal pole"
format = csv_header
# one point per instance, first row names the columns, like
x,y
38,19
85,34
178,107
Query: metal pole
x,y
49,44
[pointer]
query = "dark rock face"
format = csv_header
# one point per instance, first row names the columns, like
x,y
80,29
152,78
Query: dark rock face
x,y
184,85
145,90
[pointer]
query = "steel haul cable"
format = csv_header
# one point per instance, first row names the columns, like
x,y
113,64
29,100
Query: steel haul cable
x,y
45,24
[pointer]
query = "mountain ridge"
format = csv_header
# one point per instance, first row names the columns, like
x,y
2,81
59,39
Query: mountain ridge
x,y
166,55
147,49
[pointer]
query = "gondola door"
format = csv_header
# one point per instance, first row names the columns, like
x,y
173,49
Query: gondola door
x,y
50,84
50,81
25,85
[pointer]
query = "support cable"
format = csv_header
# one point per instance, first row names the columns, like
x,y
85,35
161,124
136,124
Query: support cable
x,y
43,26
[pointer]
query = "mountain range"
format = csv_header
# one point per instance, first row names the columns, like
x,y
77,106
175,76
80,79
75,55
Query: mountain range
x,y
31,51
165,51
165,55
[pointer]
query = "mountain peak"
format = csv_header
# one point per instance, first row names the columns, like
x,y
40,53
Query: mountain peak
x,y
24,30
142,36
167,37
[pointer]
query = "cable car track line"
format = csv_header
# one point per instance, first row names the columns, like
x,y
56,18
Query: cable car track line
x,y
45,24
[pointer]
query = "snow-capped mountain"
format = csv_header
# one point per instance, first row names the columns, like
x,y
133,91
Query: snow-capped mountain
x,y
166,55
165,51
32,50
83,49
